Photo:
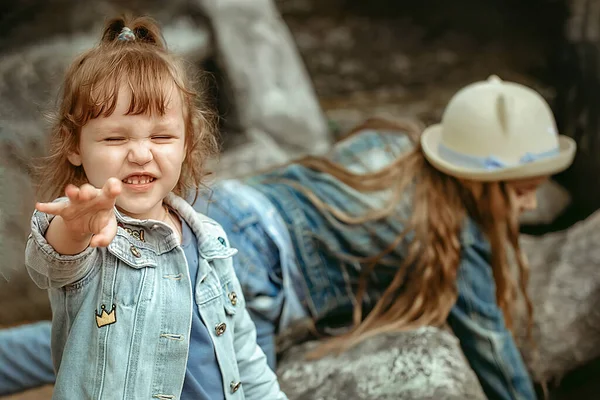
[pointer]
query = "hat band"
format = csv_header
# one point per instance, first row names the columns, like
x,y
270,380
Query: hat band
x,y
490,163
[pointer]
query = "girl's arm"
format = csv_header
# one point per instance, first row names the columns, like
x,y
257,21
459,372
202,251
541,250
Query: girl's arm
x,y
64,234
479,324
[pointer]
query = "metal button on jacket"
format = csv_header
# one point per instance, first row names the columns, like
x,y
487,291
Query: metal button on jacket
x,y
235,386
135,251
233,298
220,329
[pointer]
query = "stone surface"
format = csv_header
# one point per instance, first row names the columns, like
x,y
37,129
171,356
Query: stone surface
x,y
565,290
270,87
425,364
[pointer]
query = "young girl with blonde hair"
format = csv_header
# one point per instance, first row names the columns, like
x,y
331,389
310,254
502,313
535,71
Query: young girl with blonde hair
x,y
145,300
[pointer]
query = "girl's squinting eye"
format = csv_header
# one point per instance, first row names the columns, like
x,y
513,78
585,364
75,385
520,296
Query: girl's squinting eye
x,y
113,139
162,137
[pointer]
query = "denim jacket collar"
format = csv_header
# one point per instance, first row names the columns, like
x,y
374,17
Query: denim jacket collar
x,y
131,237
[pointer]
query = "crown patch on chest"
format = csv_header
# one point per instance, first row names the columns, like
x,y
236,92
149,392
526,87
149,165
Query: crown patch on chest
x,y
106,318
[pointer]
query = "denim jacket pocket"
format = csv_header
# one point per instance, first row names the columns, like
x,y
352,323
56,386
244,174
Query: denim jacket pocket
x,y
134,268
133,253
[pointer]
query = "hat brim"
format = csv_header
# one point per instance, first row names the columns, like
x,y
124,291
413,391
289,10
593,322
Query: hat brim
x,y
431,138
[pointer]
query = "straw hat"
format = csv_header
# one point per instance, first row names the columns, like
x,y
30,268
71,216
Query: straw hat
x,y
495,130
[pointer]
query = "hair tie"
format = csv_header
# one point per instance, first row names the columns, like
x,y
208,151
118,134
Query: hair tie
x,y
126,34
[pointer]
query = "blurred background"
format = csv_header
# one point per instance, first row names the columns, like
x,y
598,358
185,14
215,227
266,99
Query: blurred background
x,y
289,76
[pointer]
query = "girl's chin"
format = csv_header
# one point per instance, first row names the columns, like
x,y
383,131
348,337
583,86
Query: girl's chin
x,y
138,211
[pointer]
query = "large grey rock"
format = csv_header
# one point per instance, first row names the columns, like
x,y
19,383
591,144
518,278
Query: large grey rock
x,y
271,89
565,290
425,364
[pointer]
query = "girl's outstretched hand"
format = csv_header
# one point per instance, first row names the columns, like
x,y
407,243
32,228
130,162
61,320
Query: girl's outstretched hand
x,y
88,215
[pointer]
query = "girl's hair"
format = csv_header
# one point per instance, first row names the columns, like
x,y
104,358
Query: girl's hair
x,y
440,205
142,64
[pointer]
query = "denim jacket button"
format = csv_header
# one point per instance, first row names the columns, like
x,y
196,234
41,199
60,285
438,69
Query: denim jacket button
x,y
135,251
235,386
233,298
220,328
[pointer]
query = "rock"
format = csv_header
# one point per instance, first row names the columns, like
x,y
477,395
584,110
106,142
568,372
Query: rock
x,y
423,364
260,151
272,91
565,291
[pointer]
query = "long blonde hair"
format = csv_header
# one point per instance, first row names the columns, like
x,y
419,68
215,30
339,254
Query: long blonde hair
x,y
90,90
441,204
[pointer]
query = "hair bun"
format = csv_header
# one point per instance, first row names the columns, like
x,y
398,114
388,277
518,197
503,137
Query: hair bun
x,y
126,34
141,29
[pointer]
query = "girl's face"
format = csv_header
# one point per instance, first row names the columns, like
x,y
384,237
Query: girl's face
x,y
523,193
145,152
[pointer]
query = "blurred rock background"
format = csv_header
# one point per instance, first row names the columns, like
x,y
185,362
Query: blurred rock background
x,y
355,59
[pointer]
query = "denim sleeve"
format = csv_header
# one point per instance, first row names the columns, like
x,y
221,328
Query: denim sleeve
x,y
25,357
49,269
479,324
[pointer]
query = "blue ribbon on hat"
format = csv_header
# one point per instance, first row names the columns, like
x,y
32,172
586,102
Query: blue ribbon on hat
x,y
490,163
126,34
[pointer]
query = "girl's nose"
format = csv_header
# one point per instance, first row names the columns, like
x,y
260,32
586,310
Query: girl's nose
x,y
529,201
140,153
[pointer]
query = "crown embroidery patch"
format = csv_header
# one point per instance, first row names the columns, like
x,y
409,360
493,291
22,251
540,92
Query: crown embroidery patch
x,y
106,318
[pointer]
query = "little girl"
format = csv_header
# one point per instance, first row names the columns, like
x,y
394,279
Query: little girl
x,y
145,301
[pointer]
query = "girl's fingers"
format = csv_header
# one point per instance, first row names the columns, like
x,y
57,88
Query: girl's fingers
x,y
85,202
112,188
87,192
72,193
89,200
106,235
52,208
110,191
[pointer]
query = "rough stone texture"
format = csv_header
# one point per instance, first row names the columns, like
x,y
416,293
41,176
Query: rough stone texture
x,y
425,364
270,87
565,290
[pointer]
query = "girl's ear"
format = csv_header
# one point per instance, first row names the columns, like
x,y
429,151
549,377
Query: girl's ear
x,y
75,158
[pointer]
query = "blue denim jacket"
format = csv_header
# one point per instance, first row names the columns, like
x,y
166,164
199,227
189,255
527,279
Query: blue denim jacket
x,y
122,314
331,281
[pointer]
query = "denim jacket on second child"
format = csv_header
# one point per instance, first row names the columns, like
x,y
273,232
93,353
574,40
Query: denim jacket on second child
x,y
330,282
122,314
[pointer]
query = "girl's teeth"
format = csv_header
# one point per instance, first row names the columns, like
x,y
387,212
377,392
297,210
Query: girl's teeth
x,y
136,180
